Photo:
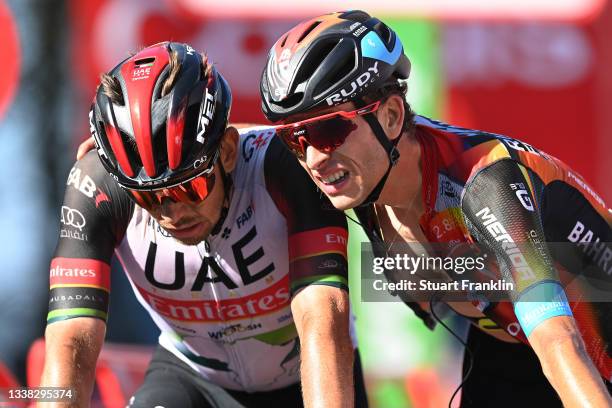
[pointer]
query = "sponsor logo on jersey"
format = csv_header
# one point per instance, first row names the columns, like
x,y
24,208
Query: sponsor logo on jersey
x,y
285,317
58,271
518,145
226,233
523,195
233,329
72,218
244,217
317,242
586,187
210,271
268,300
499,233
599,251
81,182
525,199
247,153
335,239
101,197
70,234
260,141
355,86
76,298
329,264
79,271
86,185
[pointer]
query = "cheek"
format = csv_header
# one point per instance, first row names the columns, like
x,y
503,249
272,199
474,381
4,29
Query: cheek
x,y
210,208
306,169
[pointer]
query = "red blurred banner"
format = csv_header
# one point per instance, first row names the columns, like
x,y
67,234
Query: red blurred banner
x,y
10,56
566,10
548,84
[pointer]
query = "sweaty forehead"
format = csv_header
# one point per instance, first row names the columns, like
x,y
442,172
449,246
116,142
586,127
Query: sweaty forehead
x,y
348,106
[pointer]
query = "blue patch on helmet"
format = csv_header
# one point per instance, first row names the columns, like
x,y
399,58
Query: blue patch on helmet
x,y
373,47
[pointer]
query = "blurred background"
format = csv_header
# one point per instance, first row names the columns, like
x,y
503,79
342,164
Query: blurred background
x,y
539,72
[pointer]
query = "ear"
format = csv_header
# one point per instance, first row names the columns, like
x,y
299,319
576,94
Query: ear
x,y
229,148
392,118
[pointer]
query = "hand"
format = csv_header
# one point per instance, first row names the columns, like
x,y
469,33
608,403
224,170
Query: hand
x,y
84,147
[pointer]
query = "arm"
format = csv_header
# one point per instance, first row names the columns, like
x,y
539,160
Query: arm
x,y
319,280
321,315
566,364
501,208
72,349
94,216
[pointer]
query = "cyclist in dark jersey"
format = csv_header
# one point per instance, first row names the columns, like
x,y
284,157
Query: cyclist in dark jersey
x,y
337,85
239,262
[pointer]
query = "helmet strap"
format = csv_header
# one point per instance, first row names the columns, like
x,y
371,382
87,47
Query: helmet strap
x,y
389,146
227,189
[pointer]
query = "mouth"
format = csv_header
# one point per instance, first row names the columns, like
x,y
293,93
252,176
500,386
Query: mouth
x,y
333,183
334,178
185,232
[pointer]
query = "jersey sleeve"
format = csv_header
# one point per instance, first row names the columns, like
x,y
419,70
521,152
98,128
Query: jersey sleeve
x,y
317,232
501,208
93,219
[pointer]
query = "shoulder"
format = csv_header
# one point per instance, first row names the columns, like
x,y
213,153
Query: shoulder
x,y
90,178
254,141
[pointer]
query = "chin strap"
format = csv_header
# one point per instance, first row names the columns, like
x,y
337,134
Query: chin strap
x,y
227,188
389,146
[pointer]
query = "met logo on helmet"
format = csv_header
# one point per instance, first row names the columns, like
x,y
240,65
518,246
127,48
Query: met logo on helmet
x,y
207,115
355,86
94,134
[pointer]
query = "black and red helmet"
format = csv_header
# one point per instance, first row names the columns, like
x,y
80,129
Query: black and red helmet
x,y
329,60
149,141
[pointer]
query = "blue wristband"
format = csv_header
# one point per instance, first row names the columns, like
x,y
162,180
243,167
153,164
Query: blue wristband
x,y
541,302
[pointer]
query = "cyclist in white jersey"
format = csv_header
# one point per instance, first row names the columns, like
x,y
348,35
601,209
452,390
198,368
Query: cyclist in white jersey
x,y
237,258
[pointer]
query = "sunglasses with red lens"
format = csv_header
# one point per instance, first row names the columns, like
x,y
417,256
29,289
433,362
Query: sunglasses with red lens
x,y
192,191
325,133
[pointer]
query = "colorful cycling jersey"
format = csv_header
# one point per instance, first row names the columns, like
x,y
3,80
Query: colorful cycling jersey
x,y
515,200
223,306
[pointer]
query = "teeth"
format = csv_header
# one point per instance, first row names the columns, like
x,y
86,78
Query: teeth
x,y
334,177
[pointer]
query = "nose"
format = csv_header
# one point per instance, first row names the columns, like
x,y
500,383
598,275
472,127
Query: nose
x,y
171,210
316,159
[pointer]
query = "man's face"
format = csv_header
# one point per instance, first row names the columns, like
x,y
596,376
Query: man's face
x,y
188,222
191,222
348,174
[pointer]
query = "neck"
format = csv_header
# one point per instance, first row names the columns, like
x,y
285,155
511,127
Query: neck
x,y
402,190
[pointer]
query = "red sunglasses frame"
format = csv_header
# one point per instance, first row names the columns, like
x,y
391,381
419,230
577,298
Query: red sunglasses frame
x,y
296,144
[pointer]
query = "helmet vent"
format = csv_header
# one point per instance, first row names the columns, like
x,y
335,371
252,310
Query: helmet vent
x,y
131,149
160,150
294,99
308,31
384,32
144,62
316,56
282,44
